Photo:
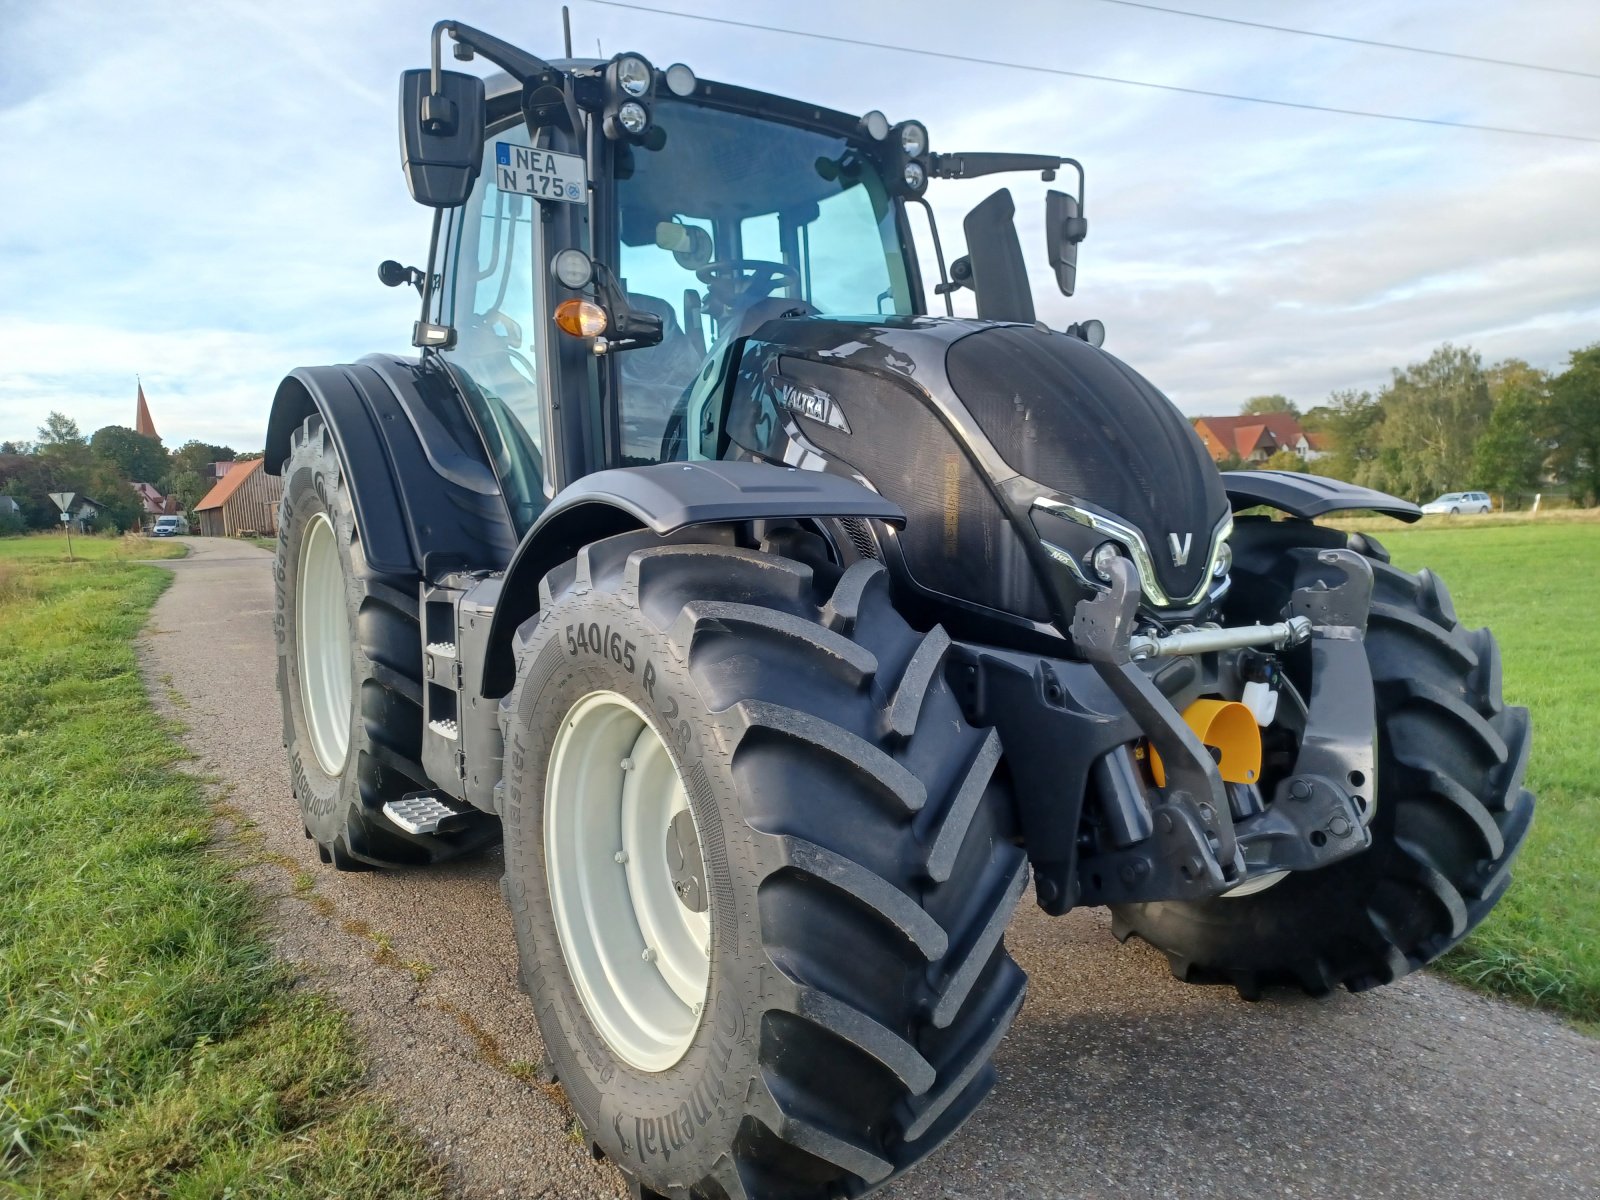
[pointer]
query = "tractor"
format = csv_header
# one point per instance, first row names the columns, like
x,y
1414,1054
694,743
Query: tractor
x,y
781,628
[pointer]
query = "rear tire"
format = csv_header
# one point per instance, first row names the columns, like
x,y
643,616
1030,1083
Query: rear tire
x,y
354,736
1451,815
858,867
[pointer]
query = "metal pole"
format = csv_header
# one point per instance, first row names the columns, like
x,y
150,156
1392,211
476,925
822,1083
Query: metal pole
x,y
70,557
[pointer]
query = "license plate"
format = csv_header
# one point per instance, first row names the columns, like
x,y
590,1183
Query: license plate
x,y
542,174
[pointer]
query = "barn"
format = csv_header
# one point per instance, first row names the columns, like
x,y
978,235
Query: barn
x,y
243,503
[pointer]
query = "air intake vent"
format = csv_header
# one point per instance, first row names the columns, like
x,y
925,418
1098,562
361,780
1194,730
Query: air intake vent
x,y
856,529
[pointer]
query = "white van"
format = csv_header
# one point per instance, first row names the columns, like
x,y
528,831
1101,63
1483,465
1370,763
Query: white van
x,y
170,526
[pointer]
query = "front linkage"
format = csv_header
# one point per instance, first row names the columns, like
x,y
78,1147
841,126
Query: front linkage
x,y
1074,733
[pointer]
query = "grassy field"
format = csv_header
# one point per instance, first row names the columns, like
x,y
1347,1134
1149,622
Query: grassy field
x,y
1529,581
150,1046
52,547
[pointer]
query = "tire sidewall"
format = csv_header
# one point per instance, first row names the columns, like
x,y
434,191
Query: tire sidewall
x,y
675,1123
313,486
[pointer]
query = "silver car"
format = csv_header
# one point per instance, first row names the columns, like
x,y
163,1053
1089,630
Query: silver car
x,y
1460,502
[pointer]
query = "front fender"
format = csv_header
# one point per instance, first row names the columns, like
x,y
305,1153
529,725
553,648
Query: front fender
x,y
663,497
1308,496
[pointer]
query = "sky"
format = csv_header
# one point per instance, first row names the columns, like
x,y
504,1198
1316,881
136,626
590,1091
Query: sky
x,y
199,195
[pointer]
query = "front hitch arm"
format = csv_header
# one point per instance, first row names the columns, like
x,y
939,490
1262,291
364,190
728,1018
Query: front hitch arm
x,y
1193,849
1320,811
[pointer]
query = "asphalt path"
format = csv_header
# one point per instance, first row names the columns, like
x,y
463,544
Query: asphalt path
x,y
1116,1081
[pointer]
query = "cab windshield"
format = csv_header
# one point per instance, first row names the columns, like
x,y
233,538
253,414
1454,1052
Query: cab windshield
x,y
727,220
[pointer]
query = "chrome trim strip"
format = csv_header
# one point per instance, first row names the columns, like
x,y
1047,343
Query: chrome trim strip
x,y
1138,549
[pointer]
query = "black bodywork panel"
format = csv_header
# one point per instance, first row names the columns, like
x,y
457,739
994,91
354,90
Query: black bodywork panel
x,y
425,498
965,424
1308,496
663,497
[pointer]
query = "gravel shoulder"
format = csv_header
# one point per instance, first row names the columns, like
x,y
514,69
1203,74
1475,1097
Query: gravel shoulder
x,y
1116,1081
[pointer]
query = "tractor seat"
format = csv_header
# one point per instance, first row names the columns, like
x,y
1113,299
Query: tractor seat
x,y
753,316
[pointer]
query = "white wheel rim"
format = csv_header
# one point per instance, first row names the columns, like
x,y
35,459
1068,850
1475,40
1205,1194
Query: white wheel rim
x,y
639,957
322,635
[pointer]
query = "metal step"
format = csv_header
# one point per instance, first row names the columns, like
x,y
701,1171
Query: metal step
x,y
445,727
424,812
442,649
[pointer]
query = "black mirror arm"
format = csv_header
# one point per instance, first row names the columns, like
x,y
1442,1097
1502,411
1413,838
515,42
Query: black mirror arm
x,y
519,64
970,166
630,330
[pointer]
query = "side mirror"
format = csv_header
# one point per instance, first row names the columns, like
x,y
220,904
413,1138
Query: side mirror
x,y
999,276
1065,226
441,135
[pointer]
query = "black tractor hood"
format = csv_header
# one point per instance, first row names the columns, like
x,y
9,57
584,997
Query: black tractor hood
x,y
1028,401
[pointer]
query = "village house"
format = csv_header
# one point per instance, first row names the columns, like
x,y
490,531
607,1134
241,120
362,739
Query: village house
x,y
1257,437
243,503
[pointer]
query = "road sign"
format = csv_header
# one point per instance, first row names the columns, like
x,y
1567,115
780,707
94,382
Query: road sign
x,y
63,500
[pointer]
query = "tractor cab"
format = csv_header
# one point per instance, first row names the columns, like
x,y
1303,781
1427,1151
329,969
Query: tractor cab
x,y
608,231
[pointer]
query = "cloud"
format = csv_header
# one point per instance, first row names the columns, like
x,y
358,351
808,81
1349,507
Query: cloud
x,y
201,195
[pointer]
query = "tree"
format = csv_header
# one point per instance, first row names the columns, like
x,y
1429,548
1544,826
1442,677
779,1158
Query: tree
x,y
1257,405
1433,414
1510,454
1284,460
59,430
135,456
196,456
1352,421
1509,457
1575,424
16,447
189,487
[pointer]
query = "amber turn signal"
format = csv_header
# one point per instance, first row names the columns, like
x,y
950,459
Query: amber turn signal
x,y
581,318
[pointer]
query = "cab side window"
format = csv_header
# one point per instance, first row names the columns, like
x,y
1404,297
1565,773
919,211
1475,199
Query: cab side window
x,y
491,304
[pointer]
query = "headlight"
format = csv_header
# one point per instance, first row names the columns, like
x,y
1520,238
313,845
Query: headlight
x,y
1224,561
633,75
913,139
680,80
915,176
572,269
632,117
876,125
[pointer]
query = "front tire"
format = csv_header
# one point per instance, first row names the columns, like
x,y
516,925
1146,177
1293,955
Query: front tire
x,y
1451,813
349,674
858,872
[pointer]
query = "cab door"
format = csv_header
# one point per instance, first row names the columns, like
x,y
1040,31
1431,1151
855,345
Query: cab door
x,y
494,302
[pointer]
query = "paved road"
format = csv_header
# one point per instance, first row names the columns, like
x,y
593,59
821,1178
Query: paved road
x,y
1116,1082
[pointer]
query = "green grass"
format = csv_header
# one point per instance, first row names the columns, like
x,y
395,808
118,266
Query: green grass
x,y
266,543
1533,585
150,1045
52,547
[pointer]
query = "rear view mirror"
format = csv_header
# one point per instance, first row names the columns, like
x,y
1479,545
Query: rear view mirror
x,y
1065,226
441,135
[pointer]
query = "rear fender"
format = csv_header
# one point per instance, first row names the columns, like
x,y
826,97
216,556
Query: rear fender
x,y
426,500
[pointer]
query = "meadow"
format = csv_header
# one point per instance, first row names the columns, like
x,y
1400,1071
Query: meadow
x,y
1528,579
150,1043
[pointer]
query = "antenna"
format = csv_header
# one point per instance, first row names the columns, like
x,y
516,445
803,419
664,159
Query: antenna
x,y
566,28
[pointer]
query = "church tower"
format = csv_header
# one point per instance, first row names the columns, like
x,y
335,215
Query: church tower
x,y
141,421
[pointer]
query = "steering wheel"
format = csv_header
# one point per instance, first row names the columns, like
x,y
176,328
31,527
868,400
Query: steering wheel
x,y
732,281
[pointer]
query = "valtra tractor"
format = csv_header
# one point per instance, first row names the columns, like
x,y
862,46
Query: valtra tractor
x,y
783,628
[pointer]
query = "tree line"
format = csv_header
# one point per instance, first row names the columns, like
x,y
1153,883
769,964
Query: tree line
x,y
102,467
1451,424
